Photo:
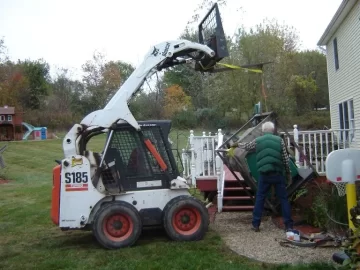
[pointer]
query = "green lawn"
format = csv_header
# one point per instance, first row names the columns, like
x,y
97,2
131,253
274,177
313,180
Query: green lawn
x,y
29,240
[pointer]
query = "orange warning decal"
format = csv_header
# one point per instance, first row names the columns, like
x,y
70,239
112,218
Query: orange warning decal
x,y
76,187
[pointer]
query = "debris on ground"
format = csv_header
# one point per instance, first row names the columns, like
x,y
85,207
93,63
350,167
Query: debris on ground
x,y
3,181
235,230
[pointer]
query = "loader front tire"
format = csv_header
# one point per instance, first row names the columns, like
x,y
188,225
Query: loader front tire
x,y
185,219
117,225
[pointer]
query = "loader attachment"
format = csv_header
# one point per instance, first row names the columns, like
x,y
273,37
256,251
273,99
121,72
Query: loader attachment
x,y
244,162
211,33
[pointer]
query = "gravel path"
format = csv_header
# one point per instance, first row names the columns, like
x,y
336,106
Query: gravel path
x,y
235,230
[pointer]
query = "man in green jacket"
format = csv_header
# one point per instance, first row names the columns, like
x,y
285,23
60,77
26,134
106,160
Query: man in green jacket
x,y
273,166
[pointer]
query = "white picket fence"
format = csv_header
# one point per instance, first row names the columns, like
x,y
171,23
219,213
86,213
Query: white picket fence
x,y
201,162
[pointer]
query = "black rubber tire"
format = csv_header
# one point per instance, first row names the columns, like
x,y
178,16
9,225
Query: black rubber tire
x,y
132,219
198,210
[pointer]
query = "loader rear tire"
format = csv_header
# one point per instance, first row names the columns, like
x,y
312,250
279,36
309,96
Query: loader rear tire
x,y
185,219
117,225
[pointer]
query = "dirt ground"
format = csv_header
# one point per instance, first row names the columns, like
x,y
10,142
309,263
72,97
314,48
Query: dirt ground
x,y
235,230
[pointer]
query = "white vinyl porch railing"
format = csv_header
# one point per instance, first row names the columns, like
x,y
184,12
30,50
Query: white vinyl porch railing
x,y
317,144
200,160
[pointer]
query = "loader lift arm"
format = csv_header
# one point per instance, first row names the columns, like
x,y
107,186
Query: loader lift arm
x,y
204,55
161,56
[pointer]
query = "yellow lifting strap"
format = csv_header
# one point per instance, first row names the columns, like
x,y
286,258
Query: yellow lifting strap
x,y
237,67
251,70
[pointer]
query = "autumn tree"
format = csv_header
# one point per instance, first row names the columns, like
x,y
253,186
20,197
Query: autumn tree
x,y
175,100
102,79
23,84
13,85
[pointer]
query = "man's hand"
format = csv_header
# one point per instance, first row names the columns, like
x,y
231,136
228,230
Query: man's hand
x,y
231,152
288,176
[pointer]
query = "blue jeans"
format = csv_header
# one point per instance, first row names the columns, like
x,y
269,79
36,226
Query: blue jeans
x,y
264,184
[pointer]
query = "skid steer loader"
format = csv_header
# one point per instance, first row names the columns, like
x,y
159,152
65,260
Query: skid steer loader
x,y
134,182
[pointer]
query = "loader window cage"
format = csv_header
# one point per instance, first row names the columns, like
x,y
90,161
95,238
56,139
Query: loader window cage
x,y
133,160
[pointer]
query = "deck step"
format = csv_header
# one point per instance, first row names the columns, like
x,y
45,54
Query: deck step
x,y
236,188
237,207
233,180
237,198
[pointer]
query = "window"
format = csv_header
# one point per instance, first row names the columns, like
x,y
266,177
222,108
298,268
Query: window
x,y
336,55
2,117
347,120
9,118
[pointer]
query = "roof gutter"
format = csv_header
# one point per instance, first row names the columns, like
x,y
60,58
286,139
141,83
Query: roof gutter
x,y
339,16
322,49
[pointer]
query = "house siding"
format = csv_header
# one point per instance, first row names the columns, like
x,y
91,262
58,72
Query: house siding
x,y
344,83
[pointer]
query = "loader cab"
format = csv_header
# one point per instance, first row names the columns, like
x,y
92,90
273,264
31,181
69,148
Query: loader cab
x,y
138,160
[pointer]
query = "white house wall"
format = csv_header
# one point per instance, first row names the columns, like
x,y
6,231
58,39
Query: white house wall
x,y
344,83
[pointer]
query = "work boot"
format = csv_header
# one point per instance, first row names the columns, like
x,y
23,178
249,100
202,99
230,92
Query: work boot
x,y
255,229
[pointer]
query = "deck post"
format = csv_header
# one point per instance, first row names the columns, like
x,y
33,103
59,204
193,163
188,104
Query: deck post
x,y
192,149
296,140
184,162
219,173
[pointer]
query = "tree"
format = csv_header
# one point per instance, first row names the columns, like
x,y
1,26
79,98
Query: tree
x,y
187,78
66,94
175,100
13,85
272,42
204,5
3,51
37,74
301,91
237,91
102,80
314,61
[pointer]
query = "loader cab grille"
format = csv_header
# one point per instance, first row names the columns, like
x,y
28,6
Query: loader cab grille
x,y
129,165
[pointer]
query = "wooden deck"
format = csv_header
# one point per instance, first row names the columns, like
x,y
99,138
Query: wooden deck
x,y
206,183
229,176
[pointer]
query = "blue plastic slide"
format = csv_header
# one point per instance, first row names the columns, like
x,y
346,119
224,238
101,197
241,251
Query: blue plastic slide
x,y
30,129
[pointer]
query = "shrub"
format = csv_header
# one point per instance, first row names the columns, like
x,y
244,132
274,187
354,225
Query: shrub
x,y
184,119
51,119
328,210
311,120
210,118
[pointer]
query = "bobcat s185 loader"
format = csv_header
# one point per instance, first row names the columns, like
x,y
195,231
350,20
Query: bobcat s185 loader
x,y
134,182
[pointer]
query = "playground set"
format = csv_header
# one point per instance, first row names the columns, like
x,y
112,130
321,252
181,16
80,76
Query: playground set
x,y
12,127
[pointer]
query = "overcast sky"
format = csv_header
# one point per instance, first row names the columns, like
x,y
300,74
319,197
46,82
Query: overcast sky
x,y
66,32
